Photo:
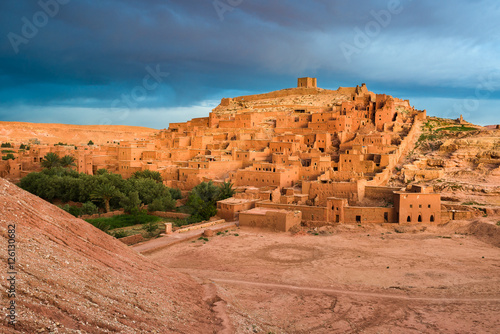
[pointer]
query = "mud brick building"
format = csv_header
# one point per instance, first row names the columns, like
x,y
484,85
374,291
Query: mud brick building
x,y
318,151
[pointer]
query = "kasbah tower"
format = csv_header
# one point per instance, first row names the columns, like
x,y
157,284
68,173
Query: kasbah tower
x,y
296,154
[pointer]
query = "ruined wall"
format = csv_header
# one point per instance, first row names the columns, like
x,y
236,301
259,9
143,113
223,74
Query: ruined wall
x,y
353,191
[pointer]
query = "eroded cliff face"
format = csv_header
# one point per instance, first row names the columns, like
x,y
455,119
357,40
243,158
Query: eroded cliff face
x,y
461,161
73,278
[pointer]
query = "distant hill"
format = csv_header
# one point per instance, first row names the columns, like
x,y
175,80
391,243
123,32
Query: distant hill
x,y
73,278
71,134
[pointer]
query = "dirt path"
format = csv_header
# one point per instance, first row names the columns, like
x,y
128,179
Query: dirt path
x,y
353,293
158,244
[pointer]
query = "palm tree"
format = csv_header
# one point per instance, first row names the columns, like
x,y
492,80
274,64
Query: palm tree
x,y
50,160
225,190
147,174
67,161
105,192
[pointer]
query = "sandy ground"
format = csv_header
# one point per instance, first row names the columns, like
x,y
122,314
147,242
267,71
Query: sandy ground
x,y
346,280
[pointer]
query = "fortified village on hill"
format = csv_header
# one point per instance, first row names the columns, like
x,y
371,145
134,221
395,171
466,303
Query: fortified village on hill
x,y
295,155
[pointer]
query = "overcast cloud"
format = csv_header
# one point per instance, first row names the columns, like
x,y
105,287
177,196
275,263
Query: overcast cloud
x,y
149,63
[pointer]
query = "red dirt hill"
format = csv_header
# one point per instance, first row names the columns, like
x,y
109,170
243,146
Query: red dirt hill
x,y
73,278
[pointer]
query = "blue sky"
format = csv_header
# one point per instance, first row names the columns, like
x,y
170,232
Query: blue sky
x,y
149,63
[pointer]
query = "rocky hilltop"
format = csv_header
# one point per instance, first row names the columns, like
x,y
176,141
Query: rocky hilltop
x,y
459,160
74,278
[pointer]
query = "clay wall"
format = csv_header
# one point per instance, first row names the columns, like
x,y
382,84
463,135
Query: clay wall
x,y
335,209
371,215
309,213
293,120
267,175
230,208
353,191
275,220
415,208
385,193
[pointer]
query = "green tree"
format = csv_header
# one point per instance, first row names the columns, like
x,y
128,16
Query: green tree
x,y
164,203
6,145
50,160
147,174
225,191
67,161
131,203
203,200
90,143
175,193
105,192
102,171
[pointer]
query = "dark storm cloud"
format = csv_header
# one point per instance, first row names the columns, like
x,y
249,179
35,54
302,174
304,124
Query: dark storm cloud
x,y
92,53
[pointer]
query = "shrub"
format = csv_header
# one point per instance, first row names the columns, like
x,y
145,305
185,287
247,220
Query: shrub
x,y
131,203
150,227
89,208
75,211
162,204
202,200
102,226
175,193
6,145
125,220
120,234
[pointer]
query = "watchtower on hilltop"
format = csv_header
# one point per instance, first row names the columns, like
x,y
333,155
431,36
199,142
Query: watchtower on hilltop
x,y
307,83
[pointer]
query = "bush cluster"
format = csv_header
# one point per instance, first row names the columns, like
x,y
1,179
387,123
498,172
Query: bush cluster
x,y
109,190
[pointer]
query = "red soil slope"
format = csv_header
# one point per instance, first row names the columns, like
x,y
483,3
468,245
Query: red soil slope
x,y
73,278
